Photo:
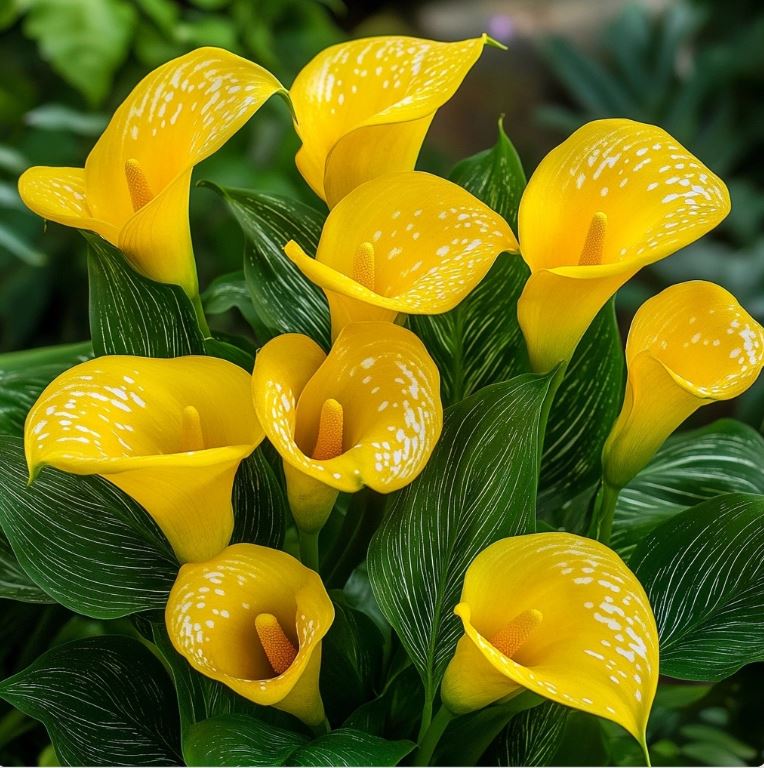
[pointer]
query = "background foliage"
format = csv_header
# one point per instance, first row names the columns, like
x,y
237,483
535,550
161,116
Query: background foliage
x,y
696,68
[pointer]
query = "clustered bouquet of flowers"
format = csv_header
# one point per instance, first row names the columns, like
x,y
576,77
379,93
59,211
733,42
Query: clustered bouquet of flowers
x,y
426,512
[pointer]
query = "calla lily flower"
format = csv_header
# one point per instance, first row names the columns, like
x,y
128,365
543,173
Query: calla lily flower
x,y
559,615
169,433
253,619
615,196
134,188
406,243
689,346
363,107
368,413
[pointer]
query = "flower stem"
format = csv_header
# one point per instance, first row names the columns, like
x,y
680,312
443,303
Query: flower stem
x,y
309,549
604,511
432,735
201,318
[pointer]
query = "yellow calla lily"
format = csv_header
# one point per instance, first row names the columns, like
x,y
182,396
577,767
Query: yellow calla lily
x,y
409,243
368,413
133,190
690,345
169,433
559,615
615,196
363,107
253,619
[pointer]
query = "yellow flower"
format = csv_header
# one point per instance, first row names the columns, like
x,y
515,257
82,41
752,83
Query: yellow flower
x,y
406,243
133,190
690,345
368,413
615,196
253,618
169,433
559,615
363,107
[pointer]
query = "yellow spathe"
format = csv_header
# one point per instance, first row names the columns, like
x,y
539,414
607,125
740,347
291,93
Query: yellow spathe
x,y
615,196
249,609
362,108
690,345
368,413
133,190
582,630
409,243
169,433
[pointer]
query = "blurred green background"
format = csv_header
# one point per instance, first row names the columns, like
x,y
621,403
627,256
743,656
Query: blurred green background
x,y
694,67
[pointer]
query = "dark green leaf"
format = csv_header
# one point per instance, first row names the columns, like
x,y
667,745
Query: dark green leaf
x,y
284,300
24,375
584,409
104,701
80,539
724,457
259,504
237,739
228,292
225,350
351,660
132,315
480,342
703,571
479,486
532,737
14,583
346,747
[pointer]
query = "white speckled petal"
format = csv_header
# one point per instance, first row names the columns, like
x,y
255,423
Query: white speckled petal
x,y
210,618
389,389
596,648
396,82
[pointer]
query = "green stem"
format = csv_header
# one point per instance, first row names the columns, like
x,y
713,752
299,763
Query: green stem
x,y
604,511
546,406
309,549
429,741
426,718
201,318
646,753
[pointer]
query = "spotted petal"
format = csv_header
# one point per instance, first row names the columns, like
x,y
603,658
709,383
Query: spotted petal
x,y
595,649
170,433
363,107
388,387
432,243
211,619
688,346
656,198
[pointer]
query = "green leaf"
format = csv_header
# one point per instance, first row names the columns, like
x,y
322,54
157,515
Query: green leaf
x,y
230,292
237,739
81,540
479,486
480,342
532,737
259,504
351,660
24,375
104,701
584,409
14,582
132,315
84,41
344,746
724,457
703,571
284,300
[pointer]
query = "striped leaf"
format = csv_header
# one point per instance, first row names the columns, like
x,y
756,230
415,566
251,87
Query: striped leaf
x,y
104,701
479,486
132,315
284,300
724,457
14,582
480,341
81,540
532,737
703,571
